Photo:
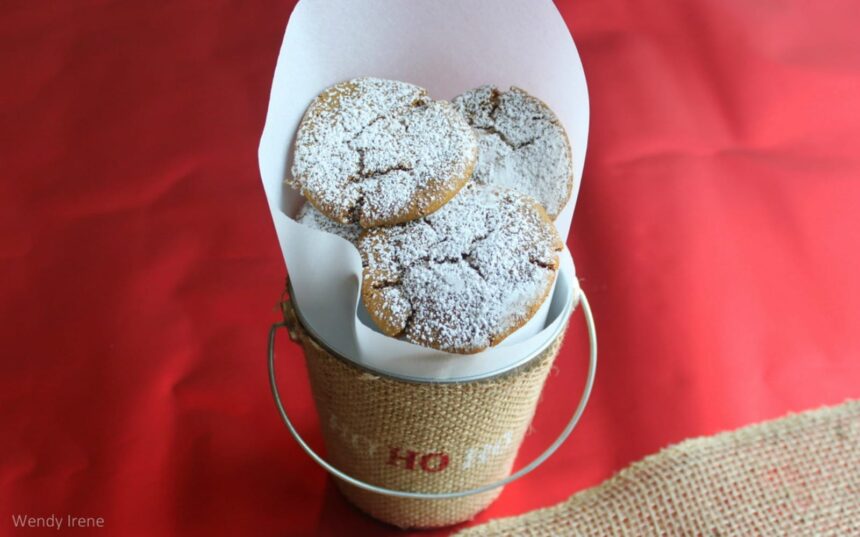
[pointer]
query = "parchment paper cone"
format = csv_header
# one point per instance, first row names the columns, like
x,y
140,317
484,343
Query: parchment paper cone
x,y
420,436
446,46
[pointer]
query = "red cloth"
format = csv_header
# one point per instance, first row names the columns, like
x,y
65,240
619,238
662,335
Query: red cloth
x,y
717,234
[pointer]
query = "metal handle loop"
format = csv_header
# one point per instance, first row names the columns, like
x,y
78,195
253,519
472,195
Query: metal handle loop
x,y
589,382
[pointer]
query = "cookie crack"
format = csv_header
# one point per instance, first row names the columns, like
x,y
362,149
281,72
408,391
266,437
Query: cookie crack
x,y
472,263
447,260
423,259
357,207
362,129
370,175
407,324
361,166
385,284
543,264
432,226
495,99
494,103
441,238
362,173
417,103
504,138
466,256
475,240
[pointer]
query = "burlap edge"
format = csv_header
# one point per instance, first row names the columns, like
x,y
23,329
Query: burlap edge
x,y
770,428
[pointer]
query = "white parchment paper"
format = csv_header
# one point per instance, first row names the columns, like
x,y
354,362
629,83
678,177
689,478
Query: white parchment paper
x,y
446,46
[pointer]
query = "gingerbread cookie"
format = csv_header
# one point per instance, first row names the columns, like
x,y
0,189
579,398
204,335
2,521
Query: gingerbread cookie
x,y
465,277
521,144
378,152
309,216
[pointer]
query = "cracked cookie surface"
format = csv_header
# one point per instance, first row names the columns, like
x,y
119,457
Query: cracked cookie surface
x,y
377,152
311,217
465,277
521,144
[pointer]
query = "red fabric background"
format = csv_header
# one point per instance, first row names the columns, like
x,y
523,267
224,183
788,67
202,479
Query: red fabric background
x,y
717,234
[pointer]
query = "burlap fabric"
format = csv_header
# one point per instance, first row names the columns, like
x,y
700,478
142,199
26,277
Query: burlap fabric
x,y
420,437
795,476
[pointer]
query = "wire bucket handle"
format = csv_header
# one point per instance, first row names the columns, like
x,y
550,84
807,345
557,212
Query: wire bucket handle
x,y
291,325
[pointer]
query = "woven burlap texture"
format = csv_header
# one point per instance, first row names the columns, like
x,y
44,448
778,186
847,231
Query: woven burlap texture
x,y
795,476
421,437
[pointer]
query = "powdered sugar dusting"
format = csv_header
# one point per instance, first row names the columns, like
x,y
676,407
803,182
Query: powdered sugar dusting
x,y
309,216
521,145
375,152
466,276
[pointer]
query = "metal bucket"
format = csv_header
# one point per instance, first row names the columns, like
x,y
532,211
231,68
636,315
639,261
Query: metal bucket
x,y
416,453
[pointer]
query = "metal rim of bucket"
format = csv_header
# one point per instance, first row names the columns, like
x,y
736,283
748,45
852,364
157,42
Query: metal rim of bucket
x,y
540,459
567,310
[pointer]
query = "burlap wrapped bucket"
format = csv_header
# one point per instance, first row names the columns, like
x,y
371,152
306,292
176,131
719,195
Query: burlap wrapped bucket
x,y
422,454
